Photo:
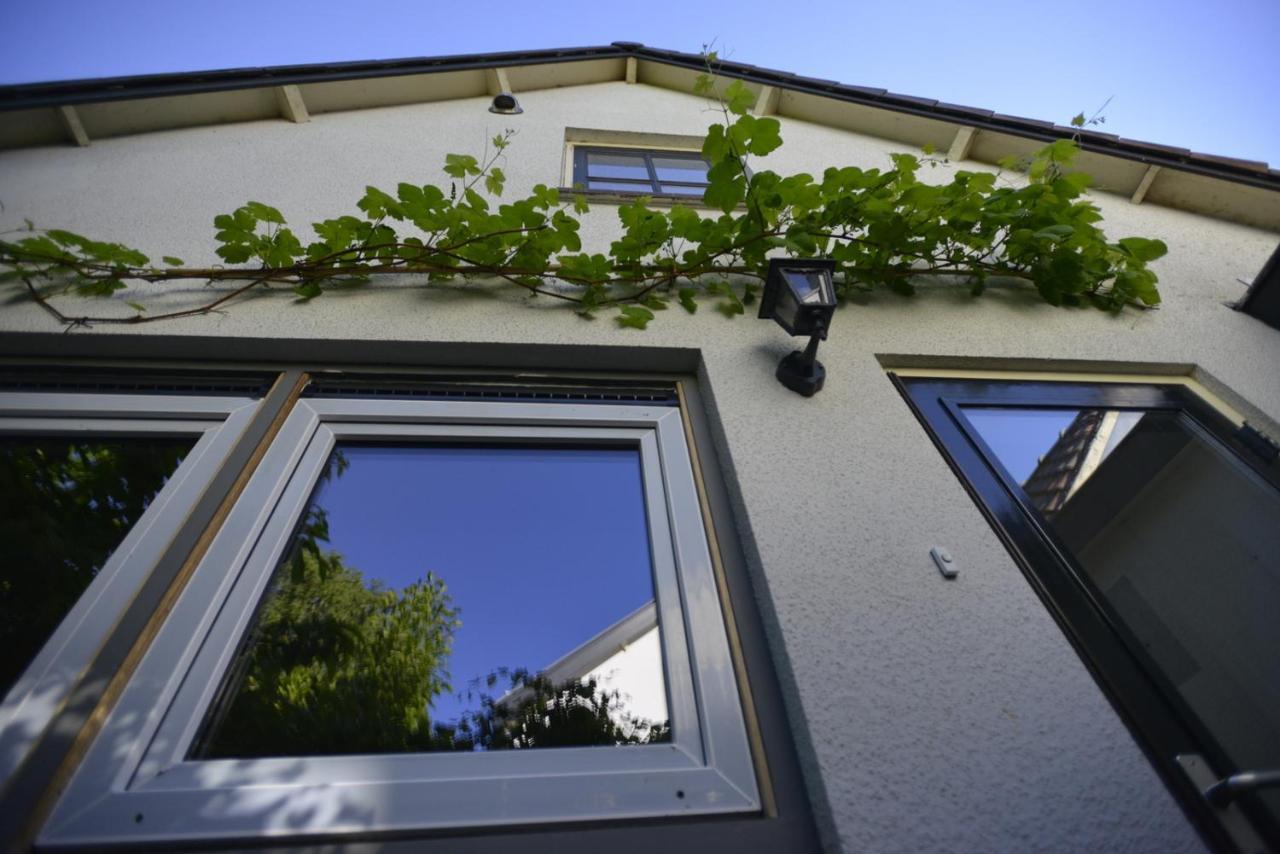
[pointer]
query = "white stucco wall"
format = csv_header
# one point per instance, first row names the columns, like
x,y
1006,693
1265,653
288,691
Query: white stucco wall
x,y
942,716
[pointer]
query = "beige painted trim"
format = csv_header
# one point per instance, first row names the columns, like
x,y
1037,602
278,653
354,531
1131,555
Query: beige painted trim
x,y
1145,184
292,107
767,101
497,80
631,69
71,121
961,145
1190,383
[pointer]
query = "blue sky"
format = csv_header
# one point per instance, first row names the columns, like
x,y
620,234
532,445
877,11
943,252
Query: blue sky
x,y
1019,437
541,549
1199,75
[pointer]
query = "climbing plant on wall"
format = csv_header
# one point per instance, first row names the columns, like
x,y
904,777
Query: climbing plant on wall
x,y
886,228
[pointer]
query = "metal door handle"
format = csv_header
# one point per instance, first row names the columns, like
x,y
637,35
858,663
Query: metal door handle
x,y
1227,789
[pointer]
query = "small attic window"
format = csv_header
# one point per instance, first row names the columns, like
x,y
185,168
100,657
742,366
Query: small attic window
x,y
640,170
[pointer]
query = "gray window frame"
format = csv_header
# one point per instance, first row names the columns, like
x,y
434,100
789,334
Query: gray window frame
x,y
216,422
652,187
707,770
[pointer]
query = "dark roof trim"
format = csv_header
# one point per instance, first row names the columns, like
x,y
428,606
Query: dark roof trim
x,y
70,92
1263,298
1252,172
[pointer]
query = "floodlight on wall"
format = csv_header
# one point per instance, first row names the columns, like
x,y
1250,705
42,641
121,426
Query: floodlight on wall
x,y
505,104
800,295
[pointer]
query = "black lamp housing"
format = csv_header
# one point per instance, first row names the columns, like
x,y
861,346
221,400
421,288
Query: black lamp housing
x,y
505,104
800,295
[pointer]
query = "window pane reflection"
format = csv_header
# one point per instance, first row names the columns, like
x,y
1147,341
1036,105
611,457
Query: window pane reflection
x,y
65,505
1182,540
689,169
623,186
600,165
681,190
455,598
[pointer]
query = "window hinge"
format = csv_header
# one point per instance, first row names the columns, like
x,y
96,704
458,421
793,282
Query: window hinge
x,y
1258,442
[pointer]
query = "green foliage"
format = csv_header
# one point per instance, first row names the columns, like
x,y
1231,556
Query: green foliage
x,y
338,665
256,231
635,316
886,228
65,505
536,712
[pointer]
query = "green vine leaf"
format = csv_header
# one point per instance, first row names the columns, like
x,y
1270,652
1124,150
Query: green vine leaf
x,y
494,180
738,98
461,165
307,291
634,316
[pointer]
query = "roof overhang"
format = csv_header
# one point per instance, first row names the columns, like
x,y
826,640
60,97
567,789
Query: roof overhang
x,y
80,110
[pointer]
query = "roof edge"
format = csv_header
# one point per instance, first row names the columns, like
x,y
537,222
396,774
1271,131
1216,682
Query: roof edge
x,y
1237,170
72,92
25,96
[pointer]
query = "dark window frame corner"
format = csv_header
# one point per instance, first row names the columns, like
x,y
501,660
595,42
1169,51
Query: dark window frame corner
x,y
1162,725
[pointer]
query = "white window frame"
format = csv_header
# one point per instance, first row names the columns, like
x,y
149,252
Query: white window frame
x,y
217,422
135,785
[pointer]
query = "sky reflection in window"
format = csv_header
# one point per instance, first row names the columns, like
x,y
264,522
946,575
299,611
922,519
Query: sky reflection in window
x,y
428,595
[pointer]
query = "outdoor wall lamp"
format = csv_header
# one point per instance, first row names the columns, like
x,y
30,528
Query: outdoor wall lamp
x,y
800,295
505,104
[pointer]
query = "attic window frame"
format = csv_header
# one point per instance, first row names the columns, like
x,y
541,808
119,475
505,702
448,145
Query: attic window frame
x,y
707,770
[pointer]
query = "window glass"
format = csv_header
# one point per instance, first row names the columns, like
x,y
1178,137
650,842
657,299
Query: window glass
x,y
65,505
807,284
455,598
688,169
628,171
680,190
609,165
1179,537
621,186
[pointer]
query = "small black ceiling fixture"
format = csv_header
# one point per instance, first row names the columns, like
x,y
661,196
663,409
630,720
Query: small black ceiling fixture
x,y
505,104
800,295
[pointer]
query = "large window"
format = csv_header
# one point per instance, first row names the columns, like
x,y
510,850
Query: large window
x,y
1151,526
93,487
640,171
425,614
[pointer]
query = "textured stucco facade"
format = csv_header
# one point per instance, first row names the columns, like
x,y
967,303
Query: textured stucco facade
x,y
930,715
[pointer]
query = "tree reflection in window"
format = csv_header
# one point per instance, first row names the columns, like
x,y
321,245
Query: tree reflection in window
x,y
340,663
66,503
